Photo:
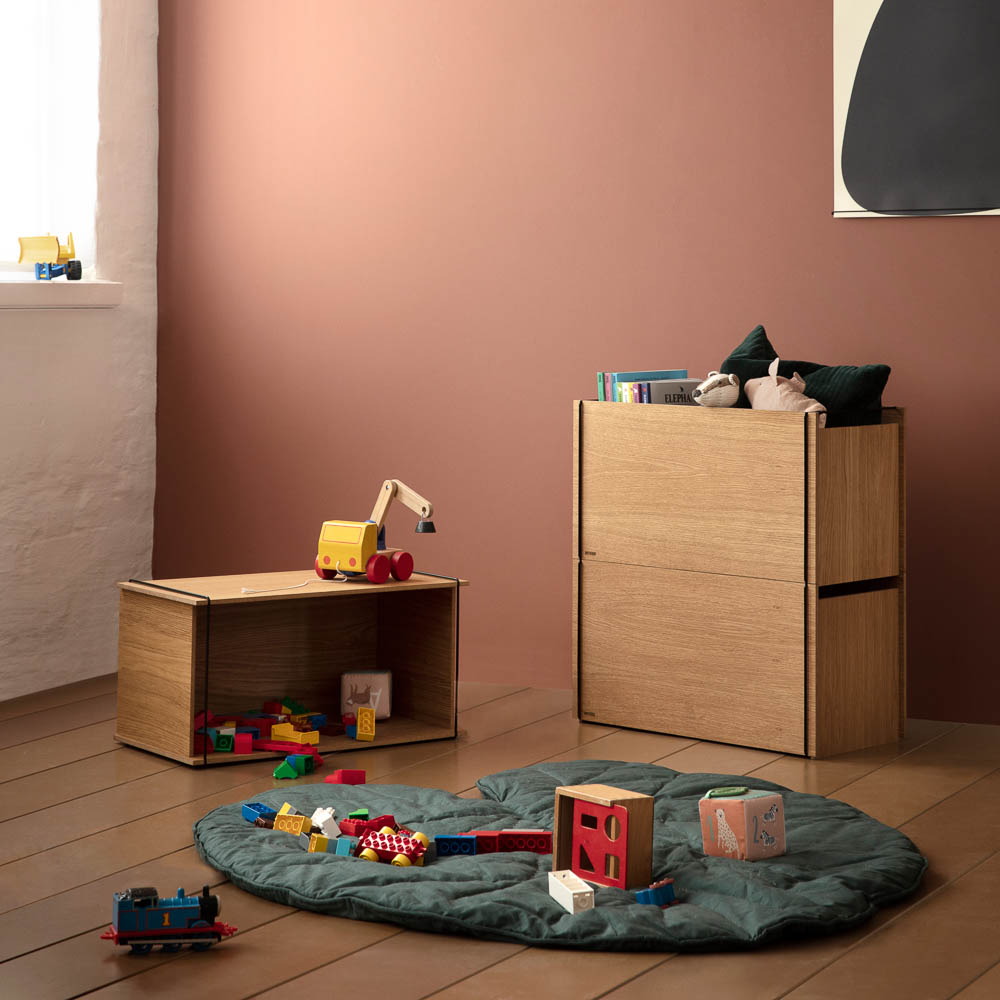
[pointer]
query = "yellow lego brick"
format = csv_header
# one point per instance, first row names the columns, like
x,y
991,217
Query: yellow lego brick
x,y
317,842
366,724
285,731
285,810
291,824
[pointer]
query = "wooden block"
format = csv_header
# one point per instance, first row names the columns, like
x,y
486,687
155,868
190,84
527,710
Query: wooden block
x,y
604,834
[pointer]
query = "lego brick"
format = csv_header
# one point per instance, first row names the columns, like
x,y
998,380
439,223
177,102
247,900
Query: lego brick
x,y
349,719
658,894
604,834
318,843
302,762
225,742
742,823
346,846
292,824
366,724
346,777
570,891
358,827
487,841
285,731
203,743
251,810
388,846
450,844
287,809
242,743
265,821
538,841
316,719
272,708
286,770
358,814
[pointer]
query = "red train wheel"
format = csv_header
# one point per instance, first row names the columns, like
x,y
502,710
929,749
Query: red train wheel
x,y
326,574
378,568
401,565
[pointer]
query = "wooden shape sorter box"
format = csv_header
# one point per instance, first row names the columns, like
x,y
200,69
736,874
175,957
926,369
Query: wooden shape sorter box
x,y
274,643
604,835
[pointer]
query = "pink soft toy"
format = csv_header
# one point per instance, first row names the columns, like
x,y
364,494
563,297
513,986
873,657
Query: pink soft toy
x,y
775,392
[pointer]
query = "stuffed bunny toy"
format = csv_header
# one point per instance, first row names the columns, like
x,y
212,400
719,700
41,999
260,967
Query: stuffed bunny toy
x,y
774,392
717,390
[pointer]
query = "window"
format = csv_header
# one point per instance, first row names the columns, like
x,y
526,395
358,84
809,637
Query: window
x,y
49,62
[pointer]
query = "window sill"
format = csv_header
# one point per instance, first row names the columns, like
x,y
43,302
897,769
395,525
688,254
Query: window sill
x,y
59,294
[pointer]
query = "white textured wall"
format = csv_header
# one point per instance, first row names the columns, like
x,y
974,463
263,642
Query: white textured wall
x,y
78,405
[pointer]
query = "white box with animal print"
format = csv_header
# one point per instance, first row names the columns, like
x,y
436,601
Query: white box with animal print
x,y
742,823
366,689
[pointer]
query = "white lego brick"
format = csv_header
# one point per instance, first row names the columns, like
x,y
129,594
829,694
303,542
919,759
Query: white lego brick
x,y
570,891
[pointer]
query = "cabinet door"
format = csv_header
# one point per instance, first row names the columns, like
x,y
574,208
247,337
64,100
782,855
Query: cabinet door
x,y
696,654
688,488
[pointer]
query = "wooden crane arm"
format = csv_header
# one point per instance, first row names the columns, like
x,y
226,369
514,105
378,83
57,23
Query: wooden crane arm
x,y
393,489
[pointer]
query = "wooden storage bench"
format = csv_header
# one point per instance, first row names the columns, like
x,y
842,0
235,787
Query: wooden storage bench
x,y
739,575
282,643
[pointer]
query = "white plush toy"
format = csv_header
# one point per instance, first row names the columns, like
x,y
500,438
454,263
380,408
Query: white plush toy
x,y
717,390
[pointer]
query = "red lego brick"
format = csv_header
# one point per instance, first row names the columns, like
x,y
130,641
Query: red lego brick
x,y
539,841
487,841
271,708
242,743
359,827
346,777
388,845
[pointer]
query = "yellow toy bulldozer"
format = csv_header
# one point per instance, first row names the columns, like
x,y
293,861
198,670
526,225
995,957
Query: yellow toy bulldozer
x,y
51,259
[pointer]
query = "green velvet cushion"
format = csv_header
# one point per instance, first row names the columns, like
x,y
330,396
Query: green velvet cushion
x,y
840,866
842,389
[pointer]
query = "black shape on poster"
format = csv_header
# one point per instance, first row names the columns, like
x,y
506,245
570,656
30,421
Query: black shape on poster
x,y
921,136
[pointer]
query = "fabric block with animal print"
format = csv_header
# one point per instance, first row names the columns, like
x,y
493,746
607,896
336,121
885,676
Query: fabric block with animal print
x,y
742,823
366,689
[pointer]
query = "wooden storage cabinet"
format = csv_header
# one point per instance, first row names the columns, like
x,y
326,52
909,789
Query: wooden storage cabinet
x,y
739,576
282,643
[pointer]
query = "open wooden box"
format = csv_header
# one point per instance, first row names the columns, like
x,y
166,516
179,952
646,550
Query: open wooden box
x,y
294,643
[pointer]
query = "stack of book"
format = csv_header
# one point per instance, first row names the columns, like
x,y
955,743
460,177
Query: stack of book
x,y
671,386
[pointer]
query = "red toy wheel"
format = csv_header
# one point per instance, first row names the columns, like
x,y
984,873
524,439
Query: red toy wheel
x,y
326,574
378,568
401,565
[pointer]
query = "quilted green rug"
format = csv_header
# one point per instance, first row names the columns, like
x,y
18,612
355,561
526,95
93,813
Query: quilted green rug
x,y
840,865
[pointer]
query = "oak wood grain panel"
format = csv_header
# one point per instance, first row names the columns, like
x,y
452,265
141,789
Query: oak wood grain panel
x,y
686,487
693,654
273,649
292,585
897,416
857,503
856,679
155,673
416,641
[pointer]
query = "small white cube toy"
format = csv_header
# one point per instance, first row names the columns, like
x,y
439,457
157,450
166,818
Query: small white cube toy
x,y
570,891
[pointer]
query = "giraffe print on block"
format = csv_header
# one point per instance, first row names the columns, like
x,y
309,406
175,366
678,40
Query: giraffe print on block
x,y
725,837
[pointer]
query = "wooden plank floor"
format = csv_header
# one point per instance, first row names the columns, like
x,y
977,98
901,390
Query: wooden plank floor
x,y
82,816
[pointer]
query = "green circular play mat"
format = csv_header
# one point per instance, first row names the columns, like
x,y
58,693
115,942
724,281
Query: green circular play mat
x,y
839,868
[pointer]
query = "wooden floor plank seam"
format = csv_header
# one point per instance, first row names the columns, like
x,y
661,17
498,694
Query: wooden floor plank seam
x,y
489,701
55,767
907,910
974,979
896,759
322,965
100,717
951,795
87,795
472,975
102,679
638,975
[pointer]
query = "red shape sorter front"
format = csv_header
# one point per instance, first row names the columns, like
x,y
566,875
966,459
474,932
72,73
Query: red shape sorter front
x,y
600,836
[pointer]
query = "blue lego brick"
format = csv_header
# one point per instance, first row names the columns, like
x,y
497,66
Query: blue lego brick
x,y
447,844
317,720
254,731
352,732
251,810
657,895
302,762
345,846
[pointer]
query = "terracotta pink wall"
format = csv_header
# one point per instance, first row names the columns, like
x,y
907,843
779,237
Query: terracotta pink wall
x,y
397,238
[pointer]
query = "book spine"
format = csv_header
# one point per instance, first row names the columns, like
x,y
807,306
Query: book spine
x,y
607,387
600,387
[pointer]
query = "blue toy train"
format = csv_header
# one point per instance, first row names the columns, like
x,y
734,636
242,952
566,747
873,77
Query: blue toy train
x,y
141,919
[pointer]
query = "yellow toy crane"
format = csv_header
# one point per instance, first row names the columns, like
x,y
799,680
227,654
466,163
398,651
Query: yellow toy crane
x,y
357,548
